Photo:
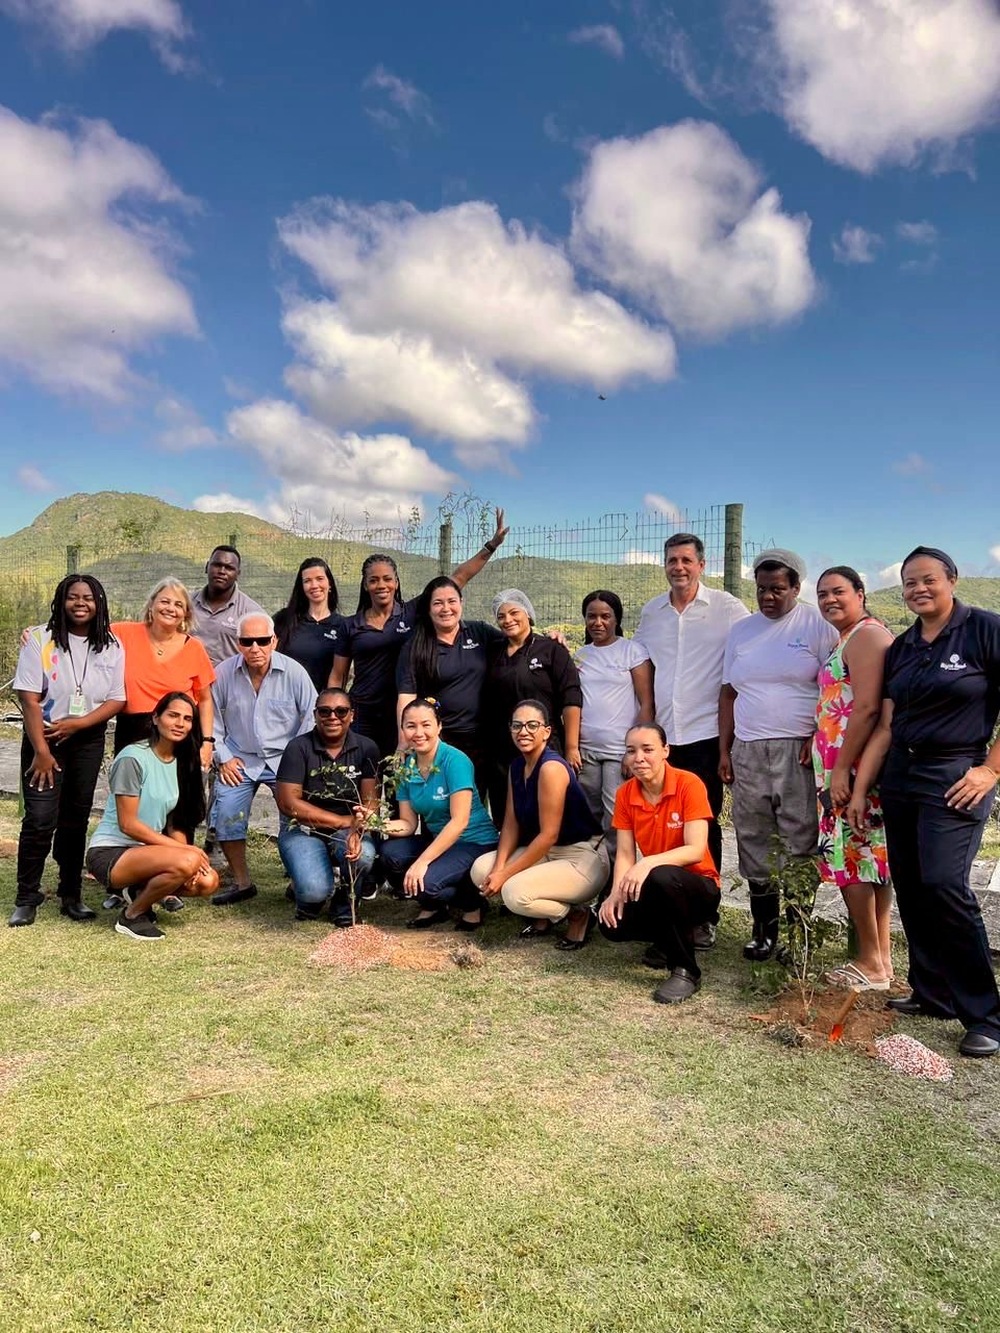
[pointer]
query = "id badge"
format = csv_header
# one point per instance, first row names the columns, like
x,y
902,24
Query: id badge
x,y
77,706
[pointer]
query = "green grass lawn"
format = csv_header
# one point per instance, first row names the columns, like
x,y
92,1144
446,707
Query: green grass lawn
x,y
530,1145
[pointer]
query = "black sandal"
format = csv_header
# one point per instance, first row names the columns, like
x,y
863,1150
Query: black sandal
x,y
532,933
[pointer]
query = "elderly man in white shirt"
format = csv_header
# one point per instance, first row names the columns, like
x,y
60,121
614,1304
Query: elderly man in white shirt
x,y
685,631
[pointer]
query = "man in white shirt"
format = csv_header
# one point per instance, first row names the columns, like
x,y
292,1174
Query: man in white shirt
x,y
685,631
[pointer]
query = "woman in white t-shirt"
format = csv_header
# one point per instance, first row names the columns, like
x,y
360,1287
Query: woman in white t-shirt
x,y
616,676
140,848
767,717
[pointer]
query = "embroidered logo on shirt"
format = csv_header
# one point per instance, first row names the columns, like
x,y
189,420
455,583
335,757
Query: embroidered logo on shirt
x,y
954,663
440,795
534,665
798,643
330,634
470,643
402,628
674,817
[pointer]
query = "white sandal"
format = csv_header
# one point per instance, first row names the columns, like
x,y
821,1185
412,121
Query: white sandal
x,y
850,977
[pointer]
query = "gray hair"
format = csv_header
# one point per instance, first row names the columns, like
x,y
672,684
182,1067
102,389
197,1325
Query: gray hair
x,y
254,615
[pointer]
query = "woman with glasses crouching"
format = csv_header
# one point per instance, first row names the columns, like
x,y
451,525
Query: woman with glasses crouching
x,y
551,860
323,779
437,790
666,884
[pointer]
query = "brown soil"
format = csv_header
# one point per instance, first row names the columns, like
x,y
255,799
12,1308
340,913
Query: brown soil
x,y
8,848
867,1019
362,947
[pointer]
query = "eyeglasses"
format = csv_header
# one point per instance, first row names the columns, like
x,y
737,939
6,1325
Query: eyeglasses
x,y
340,712
531,726
261,641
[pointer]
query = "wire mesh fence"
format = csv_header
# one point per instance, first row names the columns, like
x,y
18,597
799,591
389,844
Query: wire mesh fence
x,y
555,564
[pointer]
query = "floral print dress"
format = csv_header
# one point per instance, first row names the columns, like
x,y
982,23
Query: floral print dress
x,y
845,857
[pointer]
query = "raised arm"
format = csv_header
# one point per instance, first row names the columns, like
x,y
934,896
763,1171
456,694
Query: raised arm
x,y
468,569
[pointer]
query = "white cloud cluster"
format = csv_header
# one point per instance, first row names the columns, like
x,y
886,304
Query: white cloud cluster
x,y
404,96
664,507
917,233
182,427
324,472
677,219
605,36
432,316
873,82
856,245
995,555
33,479
85,275
77,24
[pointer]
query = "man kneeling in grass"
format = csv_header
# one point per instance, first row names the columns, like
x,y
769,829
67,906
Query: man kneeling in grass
x,y
142,846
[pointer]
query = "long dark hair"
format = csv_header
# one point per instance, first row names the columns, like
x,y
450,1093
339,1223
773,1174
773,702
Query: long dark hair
x,y
613,600
99,634
423,641
364,596
298,603
190,808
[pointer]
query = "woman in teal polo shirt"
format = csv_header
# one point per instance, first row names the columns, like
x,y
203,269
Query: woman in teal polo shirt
x,y
437,788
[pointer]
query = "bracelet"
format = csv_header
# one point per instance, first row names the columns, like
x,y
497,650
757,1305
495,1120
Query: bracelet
x,y
208,740
996,775
488,546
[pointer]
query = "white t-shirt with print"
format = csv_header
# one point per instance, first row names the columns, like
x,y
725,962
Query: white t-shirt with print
x,y
609,702
773,665
46,669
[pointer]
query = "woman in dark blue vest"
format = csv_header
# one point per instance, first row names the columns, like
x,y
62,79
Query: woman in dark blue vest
x,y
551,861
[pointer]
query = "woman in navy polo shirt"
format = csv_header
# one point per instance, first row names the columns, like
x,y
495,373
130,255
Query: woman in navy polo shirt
x,y
309,628
438,788
942,699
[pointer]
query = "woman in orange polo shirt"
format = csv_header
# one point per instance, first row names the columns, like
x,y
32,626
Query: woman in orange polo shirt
x,y
666,884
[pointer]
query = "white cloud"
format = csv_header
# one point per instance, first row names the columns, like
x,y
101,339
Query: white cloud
x,y
404,338
406,97
77,24
183,428
33,480
642,558
602,35
85,275
890,575
661,505
224,502
917,233
323,472
873,82
856,245
676,218
913,465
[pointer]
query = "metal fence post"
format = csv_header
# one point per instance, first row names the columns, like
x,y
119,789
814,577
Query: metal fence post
x,y
444,547
72,559
732,567
232,538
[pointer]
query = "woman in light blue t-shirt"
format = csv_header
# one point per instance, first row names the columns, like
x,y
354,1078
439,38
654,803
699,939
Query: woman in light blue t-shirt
x,y
438,789
141,848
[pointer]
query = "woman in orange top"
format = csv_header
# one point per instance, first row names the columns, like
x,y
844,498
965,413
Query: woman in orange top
x,y
161,657
666,884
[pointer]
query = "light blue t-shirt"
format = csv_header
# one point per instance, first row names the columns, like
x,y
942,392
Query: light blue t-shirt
x,y
138,772
430,797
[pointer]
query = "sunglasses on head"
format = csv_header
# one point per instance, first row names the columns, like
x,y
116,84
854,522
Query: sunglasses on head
x,y
341,712
249,641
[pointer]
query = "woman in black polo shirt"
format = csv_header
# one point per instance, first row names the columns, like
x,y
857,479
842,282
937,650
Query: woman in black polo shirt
x,y
309,628
527,665
445,658
942,699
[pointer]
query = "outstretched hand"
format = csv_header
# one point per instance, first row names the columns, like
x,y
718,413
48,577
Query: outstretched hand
x,y
501,530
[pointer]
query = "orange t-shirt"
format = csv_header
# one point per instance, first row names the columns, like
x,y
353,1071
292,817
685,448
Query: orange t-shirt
x,y
660,828
148,678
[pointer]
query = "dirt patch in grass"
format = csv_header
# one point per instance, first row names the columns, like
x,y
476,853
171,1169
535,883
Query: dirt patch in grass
x,y
866,1019
363,947
13,1068
8,848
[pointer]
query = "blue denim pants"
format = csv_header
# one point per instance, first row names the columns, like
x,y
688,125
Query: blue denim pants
x,y
311,858
447,879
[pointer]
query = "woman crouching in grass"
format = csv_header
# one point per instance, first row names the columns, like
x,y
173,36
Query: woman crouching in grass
x,y
142,846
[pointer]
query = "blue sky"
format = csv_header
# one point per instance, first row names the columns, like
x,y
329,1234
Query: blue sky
x,y
341,259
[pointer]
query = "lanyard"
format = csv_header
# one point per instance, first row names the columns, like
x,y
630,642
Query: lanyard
x,y
78,681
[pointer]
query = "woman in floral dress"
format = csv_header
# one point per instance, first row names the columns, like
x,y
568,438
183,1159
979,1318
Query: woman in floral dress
x,y
850,698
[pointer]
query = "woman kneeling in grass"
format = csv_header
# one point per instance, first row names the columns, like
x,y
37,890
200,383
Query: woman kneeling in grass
x,y
141,848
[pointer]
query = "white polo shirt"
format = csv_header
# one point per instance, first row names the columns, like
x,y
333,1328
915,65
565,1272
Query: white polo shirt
x,y
772,665
686,649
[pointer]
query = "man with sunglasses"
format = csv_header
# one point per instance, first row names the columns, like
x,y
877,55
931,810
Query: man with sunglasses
x,y
263,700
324,776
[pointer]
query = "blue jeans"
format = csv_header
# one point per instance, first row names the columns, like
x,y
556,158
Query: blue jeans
x,y
310,860
230,814
447,879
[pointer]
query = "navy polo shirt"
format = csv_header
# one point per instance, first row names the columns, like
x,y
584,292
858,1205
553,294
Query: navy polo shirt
x,y
375,653
461,674
540,669
313,643
332,784
946,693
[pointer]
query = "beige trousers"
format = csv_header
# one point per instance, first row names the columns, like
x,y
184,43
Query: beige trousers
x,y
565,878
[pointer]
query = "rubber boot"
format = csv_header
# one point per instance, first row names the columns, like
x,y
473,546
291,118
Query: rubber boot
x,y
764,904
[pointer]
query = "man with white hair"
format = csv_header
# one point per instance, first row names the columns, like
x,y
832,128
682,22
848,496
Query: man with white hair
x,y
263,700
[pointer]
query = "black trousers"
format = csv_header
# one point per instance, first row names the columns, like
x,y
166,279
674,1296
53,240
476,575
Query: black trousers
x,y
672,904
56,819
702,759
931,850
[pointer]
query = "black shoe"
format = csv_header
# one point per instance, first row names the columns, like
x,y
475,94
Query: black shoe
x,y
469,926
113,902
978,1045
76,910
23,915
680,985
704,936
171,903
910,1004
302,914
569,946
138,928
532,933
226,897
655,958
765,937
425,922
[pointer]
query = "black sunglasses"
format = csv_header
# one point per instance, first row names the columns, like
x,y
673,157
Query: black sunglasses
x,y
260,640
340,712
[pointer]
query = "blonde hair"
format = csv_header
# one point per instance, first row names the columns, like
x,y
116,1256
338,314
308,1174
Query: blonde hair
x,y
187,624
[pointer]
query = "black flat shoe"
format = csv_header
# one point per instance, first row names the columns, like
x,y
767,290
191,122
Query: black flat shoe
x,y
226,897
978,1046
23,916
570,946
911,1005
426,922
77,911
531,933
469,926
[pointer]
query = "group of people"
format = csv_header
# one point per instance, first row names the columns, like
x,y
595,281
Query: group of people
x,y
583,790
